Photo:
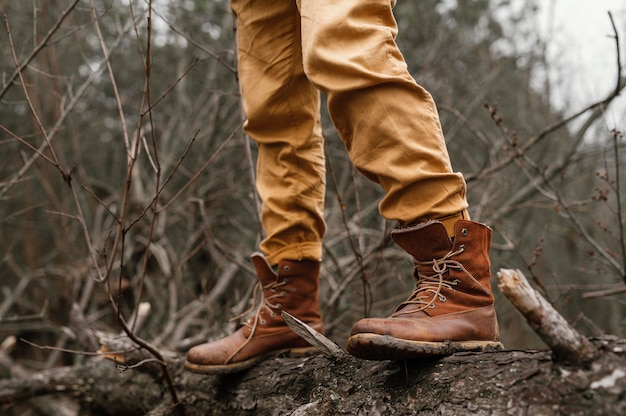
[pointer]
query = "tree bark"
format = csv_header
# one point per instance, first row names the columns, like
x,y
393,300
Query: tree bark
x,y
577,376
506,382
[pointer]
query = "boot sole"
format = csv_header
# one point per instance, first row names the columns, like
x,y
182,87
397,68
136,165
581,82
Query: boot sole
x,y
244,365
384,347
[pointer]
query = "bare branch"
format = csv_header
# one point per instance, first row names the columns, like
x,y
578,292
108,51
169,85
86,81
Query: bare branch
x,y
40,46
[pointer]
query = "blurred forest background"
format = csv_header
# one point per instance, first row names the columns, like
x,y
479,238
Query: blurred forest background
x,y
126,179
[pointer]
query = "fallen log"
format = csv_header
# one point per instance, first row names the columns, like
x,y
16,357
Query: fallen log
x,y
577,376
505,382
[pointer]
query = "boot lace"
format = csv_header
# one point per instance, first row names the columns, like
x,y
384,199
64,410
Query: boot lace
x,y
430,281
270,293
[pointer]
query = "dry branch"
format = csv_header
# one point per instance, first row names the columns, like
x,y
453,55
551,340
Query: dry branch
x,y
565,342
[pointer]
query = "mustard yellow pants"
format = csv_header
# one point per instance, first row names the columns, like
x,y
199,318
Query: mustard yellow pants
x,y
289,51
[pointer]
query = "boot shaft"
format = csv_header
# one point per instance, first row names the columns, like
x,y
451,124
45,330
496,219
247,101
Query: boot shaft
x,y
293,287
451,275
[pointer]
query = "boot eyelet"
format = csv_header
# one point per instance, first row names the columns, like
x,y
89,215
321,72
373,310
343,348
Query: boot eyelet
x,y
431,306
464,232
273,314
283,294
287,269
262,321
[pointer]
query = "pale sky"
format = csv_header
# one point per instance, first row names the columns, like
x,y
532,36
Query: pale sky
x,y
584,52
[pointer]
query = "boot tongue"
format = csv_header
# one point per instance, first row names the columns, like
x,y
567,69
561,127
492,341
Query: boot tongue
x,y
264,270
425,241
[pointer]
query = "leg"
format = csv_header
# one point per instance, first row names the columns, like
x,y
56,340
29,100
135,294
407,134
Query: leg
x,y
391,129
293,288
388,122
282,108
283,117
451,307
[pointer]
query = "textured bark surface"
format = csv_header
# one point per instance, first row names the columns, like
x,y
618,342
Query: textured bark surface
x,y
507,382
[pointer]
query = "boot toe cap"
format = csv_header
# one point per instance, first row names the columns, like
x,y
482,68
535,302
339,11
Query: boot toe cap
x,y
216,352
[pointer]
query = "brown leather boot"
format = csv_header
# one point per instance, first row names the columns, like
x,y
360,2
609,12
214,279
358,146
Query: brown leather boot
x,y
451,308
293,289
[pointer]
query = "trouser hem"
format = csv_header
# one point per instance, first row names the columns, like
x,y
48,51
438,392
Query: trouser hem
x,y
296,252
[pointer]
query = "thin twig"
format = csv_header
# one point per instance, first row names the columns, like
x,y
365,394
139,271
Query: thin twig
x,y
202,168
61,119
541,135
54,160
37,48
618,54
76,352
618,197
198,45
353,244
